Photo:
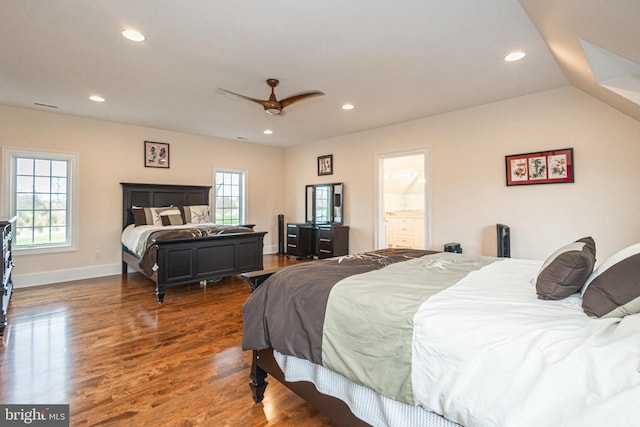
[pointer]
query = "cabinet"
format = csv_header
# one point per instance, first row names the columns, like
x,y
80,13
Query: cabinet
x,y
404,230
306,240
300,240
6,231
332,240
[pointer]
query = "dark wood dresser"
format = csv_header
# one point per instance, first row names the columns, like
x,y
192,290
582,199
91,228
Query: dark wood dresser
x,y
6,230
306,240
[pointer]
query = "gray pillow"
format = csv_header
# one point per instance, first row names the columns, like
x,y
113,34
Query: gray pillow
x,y
613,290
566,270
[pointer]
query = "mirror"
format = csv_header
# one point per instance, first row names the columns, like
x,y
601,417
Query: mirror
x,y
324,203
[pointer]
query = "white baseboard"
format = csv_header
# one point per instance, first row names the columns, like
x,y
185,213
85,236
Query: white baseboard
x,y
57,276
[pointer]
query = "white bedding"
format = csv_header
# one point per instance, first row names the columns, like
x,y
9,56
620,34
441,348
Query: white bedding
x,y
135,238
487,352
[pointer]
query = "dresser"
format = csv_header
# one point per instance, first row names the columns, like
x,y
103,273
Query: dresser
x,y
332,240
6,230
300,240
306,240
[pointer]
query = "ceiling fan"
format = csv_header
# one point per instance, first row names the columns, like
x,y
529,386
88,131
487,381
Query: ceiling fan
x,y
272,105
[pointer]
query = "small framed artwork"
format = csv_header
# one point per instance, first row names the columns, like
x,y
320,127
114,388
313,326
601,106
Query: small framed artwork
x,y
156,154
325,165
543,167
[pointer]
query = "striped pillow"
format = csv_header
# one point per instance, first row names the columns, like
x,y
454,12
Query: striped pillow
x,y
171,219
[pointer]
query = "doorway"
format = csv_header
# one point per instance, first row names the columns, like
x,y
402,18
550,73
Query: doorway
x,y
402,202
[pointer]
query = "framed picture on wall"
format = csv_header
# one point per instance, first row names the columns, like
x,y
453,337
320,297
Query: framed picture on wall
x,y
325,165
156,154
543,167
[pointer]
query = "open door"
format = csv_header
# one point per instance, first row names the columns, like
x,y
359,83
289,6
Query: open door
x,y
402,200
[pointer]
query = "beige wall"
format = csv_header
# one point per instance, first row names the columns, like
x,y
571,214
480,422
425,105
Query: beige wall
x,y
112,153
468,195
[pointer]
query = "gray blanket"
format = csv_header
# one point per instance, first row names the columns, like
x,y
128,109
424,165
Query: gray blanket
x,y
287,311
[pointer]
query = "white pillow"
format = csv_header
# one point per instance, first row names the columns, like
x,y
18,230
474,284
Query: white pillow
x,y
196,214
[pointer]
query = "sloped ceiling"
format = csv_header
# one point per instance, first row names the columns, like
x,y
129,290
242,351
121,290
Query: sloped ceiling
x,y
613,26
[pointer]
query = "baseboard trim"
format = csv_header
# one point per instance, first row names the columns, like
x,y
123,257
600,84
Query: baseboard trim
x,y
26,280
57,276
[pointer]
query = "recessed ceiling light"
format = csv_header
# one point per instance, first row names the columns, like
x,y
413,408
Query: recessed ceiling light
x,y
133,35
347,107
96,98
514,56
268,132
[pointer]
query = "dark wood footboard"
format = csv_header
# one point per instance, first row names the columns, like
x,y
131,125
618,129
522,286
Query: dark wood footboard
x,y
182,261
264,364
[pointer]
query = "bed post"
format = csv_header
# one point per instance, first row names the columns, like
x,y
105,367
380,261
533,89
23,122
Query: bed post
x,y
160,293
258,376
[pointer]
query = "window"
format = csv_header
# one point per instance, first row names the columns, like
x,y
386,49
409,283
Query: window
x,y
229,197
41,190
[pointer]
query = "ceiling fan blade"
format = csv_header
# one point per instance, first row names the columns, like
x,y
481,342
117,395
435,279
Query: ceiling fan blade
x,y
243,97
299,97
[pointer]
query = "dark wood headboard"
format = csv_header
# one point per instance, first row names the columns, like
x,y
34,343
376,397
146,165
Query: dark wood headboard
x,y
150,195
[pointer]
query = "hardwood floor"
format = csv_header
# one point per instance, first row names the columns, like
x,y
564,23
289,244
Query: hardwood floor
x,y
118,358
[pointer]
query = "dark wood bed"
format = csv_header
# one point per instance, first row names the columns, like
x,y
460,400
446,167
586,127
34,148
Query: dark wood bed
x,y
189,260
264,364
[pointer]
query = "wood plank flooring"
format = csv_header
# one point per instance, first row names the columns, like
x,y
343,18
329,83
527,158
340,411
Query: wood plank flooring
x,y
118,358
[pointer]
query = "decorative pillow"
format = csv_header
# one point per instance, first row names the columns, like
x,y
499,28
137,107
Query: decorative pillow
x,y
157,212
141,216
613,290
171,219
151,216
195,214
566,270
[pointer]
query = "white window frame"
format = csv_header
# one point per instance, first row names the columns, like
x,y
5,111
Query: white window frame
x,y
244,179
9,154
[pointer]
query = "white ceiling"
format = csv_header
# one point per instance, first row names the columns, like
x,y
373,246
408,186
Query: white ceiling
x,y
395,61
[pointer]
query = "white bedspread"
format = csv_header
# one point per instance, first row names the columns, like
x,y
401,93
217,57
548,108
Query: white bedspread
x,y
135,238
487,352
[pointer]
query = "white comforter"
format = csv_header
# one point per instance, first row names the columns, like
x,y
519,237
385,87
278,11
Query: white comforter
x,y
487,352
134,237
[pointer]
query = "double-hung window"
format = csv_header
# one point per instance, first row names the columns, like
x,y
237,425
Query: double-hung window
x,y
229,198
41,195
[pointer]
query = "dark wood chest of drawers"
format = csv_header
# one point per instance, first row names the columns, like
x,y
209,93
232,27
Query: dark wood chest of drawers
x,y
305,240
332,240
6,232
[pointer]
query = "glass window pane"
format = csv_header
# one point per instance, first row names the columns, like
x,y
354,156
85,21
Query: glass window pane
x,y
24,166
25,218
58,168
58,234
41,218
24,201
58,185
43,167
24,236
58,218
58,201
24,184
42,184
42,201
41,235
